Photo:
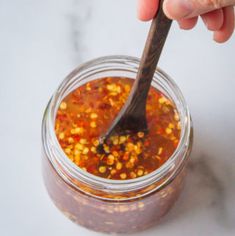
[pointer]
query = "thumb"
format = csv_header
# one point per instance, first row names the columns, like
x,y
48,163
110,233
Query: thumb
x,y
179,9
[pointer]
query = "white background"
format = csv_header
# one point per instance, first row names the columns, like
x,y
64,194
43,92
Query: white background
x,y
42,41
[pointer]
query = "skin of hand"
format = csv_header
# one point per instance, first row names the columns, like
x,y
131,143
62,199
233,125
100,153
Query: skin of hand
x,y
217,15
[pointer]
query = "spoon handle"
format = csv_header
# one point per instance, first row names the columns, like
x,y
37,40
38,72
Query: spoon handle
x,y
132,117
158,32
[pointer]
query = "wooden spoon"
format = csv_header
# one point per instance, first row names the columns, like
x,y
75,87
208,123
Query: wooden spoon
x,y
132,117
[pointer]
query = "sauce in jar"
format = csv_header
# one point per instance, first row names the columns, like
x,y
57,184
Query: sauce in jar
x,y
87,112
135,179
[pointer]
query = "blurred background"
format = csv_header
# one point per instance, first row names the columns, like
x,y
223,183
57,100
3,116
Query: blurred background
x,y
42,41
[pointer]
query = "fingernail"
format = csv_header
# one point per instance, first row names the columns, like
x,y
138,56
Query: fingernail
x,y
178,9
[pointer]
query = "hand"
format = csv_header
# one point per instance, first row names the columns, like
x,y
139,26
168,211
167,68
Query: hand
x,y
218,15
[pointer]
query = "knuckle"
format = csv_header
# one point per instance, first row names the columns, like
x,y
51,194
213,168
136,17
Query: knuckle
x,y
213,4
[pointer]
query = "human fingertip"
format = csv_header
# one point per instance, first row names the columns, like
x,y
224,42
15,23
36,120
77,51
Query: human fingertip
x,y
177,9
226,31
213,20
166,10
146,9
143,17
217,38
187,24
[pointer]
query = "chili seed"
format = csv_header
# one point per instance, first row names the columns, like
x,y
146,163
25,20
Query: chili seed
x,y
140,134
93,124
102,169
168,131
160,151
110,160
140,172
70,140
63,105
61,136
93,149
123,175
119,166
93,115
132,175
85,150
83,141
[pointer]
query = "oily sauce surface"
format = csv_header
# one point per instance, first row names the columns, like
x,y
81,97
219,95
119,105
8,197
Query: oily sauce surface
x,y
86,113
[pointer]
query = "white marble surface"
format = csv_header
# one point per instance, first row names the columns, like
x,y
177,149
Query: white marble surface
x,y
42,41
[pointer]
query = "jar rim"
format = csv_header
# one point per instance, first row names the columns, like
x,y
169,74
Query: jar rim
x,y
60,158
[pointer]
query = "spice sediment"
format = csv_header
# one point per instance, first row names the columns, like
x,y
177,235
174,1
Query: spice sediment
x,y
86,113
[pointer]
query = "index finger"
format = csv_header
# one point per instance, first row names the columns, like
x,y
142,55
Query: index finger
x,y
147,9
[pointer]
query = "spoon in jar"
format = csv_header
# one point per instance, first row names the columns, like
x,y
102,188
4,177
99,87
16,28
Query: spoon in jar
x,y
132,117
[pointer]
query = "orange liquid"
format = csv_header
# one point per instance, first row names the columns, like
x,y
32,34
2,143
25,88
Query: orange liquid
x,y
87,112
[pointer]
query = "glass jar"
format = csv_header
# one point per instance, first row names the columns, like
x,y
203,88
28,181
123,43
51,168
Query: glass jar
x,y
120,206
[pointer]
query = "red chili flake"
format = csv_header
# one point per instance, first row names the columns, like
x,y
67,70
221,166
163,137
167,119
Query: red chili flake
x,y
87,112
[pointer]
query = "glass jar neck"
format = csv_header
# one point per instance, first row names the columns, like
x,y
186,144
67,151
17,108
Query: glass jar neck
x,y
114,66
